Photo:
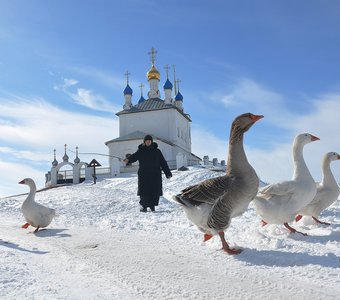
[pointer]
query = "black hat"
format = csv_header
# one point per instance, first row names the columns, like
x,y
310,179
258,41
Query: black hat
x,y
148,137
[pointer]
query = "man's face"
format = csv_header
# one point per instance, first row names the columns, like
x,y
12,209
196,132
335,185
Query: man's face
x,y
148,142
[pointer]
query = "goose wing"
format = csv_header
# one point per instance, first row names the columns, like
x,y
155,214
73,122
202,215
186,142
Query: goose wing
x,y
207,191
277,189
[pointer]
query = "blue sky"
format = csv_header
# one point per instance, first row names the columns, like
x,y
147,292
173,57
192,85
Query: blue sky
x,y
62,66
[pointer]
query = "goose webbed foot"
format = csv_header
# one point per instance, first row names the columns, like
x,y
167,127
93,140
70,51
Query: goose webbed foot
x,y
25,225
320,222
263,223
207,237
232,251
225,246
292,230
36,230
298,218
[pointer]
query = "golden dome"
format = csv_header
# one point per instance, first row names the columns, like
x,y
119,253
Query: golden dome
x,y
153,74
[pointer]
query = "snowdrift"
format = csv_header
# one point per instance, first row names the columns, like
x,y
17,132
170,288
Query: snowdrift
x,y
101,247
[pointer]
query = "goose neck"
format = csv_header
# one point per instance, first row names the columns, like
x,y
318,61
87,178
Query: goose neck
x,y
32,192
327,175
300,167
236,156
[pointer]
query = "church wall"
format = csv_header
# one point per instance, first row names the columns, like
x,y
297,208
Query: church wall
x,y
121,148
167,124
156,122
167,150
183,138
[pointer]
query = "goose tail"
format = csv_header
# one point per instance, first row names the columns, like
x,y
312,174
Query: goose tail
x,y
179,200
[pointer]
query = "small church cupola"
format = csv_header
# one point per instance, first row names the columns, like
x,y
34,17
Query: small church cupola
x,y
65,157
77,159
153,77
153,73
127,93
128,90
167,87
54,162
179,98
141,99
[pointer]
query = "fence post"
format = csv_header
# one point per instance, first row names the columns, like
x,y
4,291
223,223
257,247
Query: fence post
x,y
206,160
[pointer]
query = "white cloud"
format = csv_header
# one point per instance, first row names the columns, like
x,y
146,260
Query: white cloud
x,y
12,173
85,97
40,124
205,142
100,76
274,163
70,82
88,99
229,100
325,115
249,96
116,82
24,154
37,127
67,82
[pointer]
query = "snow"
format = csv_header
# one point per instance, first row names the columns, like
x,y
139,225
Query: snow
x,y
101,247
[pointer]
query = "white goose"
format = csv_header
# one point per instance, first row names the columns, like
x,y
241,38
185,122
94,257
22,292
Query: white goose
x,y
327,191
36,215
211,204
280,202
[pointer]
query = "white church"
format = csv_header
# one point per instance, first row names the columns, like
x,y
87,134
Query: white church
x,y
164,119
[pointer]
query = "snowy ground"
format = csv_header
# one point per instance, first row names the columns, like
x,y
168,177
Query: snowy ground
x,y
101,247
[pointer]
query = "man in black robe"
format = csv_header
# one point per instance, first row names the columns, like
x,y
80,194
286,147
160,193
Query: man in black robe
x,y
151,163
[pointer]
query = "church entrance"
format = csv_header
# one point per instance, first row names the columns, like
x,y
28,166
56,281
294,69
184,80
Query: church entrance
x,y
65,175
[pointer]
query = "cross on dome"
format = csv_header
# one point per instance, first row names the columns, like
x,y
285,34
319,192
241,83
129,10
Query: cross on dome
x,y
153,53
153,73
167,68
141,88
127,76
178,81
175,81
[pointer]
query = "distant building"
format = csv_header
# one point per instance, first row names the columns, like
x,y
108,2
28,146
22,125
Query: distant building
x,y
164,119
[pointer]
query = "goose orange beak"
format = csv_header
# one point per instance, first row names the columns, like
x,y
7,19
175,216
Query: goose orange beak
x,y
338,156
255,118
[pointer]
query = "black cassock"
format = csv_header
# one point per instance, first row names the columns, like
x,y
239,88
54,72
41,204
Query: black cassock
x,y
151,163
